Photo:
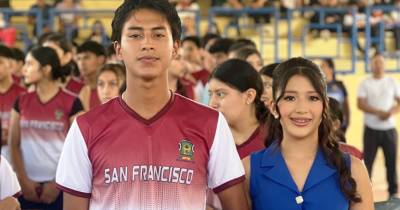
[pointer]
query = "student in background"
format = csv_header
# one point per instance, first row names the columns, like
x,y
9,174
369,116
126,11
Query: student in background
x,y
39,123
110,79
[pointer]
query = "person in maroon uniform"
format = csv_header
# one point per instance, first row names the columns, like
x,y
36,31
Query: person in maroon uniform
x,y
150,148
63,47
39,123
9,90
235,89
90,57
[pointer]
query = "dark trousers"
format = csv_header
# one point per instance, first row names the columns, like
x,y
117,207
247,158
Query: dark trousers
x,y
387,139
56,205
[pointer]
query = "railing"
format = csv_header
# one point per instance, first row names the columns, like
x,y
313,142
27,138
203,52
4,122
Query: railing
x,y
275,21
380,39
222,11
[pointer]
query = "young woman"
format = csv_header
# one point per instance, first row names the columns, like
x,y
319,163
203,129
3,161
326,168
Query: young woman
x,y
109,81
235,89
39,124
304,168
9,186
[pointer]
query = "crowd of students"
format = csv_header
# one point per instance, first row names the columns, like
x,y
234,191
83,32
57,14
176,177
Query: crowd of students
x,y
86,132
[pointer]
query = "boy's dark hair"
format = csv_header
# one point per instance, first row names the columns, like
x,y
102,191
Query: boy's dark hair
x,y
129,7
19,55
93,47
206,38
110,50
329,62
6,52
221,45
268,70
193,39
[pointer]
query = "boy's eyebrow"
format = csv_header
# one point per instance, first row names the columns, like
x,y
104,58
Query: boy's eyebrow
x,y
138,28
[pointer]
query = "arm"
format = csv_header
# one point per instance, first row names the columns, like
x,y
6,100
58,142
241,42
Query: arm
x,y
364,187
72,202
363,106
28,186
396,108
346,110
234,198
246,165
9,203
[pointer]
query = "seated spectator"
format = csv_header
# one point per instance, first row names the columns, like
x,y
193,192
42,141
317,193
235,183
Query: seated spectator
x,y
68,21
188,18
329,18
99,34
45,10
393,22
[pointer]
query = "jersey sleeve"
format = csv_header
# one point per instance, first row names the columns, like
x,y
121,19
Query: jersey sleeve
x,y
74,171
9,185
225,168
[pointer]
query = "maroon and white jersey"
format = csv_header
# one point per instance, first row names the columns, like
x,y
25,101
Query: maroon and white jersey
x,y
7,100
94,99
122,162
9,185
44,127
74,85
253,144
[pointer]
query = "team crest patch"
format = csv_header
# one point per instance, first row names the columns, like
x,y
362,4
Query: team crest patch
x,y
58,114
186,150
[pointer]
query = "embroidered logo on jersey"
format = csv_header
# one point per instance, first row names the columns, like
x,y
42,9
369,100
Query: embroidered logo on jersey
x,y
58,114
186,150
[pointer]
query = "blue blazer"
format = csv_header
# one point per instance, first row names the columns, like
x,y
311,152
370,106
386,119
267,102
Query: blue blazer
x,y
273,188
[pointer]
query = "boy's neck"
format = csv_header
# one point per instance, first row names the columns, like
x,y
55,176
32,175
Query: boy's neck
x,y
5,84
147,98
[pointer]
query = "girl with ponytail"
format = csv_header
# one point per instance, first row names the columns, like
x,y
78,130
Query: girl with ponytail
x,y
235,89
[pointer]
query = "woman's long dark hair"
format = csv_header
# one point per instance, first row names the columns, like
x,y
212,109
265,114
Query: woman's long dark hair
x,y
241,76
327,138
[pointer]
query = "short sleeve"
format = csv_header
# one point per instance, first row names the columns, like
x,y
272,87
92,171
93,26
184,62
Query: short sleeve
x,y
225,168
9,185
362,91
76,107
74,171
397,89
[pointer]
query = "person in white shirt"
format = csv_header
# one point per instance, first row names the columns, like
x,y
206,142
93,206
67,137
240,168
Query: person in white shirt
x,y
379,98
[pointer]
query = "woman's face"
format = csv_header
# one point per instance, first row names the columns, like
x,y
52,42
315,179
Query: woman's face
x,y
229,101
108,86
32,70
300,109
266,97
255,60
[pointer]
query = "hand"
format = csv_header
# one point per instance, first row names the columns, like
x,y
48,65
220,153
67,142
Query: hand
x,y
30,190
49,193
383,115
9,203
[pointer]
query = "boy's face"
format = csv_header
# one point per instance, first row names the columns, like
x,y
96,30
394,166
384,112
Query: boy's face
x,y
190,51
5,68
89,63
146,45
